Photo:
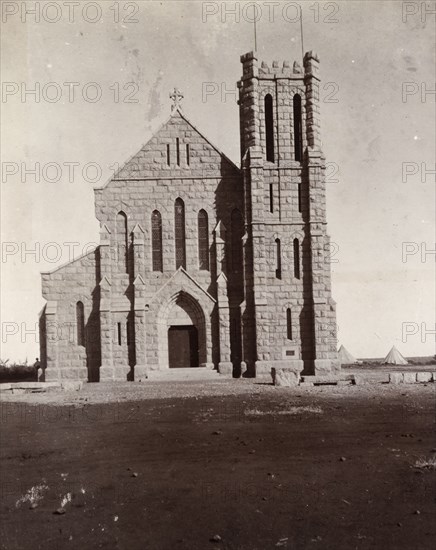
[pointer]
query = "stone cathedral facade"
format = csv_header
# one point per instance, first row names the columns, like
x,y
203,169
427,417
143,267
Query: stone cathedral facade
x,y
203,264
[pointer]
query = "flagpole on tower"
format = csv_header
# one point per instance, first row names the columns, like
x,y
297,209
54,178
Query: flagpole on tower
x,y
255,29
301,32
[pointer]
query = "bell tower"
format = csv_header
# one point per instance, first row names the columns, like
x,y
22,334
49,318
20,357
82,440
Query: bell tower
x,y
290,315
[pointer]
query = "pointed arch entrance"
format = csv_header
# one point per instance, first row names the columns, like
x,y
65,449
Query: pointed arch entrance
x,y
181,301
182,332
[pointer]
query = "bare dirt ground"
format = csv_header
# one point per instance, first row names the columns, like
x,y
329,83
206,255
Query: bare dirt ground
x,y
170,465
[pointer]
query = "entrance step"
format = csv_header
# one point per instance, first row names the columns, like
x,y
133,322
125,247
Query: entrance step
x,y
195,373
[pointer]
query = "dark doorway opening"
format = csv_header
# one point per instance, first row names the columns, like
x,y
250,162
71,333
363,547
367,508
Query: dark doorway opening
x,y
182,347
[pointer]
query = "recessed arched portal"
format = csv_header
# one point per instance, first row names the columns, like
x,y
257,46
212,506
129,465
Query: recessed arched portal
x,y
182,333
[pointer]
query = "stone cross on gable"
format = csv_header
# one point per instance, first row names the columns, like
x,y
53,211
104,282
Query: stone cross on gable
x,y
176,95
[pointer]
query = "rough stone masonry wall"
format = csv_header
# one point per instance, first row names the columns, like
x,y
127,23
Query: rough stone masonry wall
x,y
294,186
274,292
284,179
63,288
324,306
147,183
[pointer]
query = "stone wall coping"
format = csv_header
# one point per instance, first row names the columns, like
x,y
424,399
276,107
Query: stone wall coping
x,y
186,274
70,262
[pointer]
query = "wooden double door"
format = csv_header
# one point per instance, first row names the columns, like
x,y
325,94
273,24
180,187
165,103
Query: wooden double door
x,y
183,347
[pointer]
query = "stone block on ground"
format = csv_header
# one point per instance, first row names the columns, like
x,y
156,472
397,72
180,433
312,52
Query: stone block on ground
x,y
409,377
283,376
370,378
359,380
71,386
18,388
395,378
424,376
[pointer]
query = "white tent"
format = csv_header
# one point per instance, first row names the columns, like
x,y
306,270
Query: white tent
x,y
345,357
394,357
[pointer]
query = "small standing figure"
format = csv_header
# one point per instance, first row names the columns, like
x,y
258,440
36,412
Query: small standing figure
x,y
37,366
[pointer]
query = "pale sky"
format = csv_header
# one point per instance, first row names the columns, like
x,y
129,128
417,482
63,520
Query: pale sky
x,y
377,116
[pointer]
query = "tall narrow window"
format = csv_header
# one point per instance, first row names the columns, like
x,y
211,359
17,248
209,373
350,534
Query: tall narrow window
x,y
236,240
80,322
188,159
179,228
129,332
278,259
203,240
168,155
271,197
298,134
178,151
156,241
296,259
269,128
300,203
122,240
289,323
119,333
